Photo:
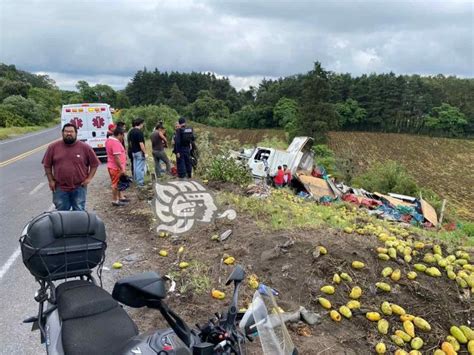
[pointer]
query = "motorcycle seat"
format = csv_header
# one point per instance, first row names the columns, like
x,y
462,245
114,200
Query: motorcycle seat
x,y
92,321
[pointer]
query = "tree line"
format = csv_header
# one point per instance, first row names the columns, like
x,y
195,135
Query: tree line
x,y
310,103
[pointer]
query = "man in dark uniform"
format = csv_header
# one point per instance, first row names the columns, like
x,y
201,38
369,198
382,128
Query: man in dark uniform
x,y
183,141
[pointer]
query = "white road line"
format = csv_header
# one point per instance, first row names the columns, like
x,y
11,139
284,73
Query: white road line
x,y
15,255
28,136
37,188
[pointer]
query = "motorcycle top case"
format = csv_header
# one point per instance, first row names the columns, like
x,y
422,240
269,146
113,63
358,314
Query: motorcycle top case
x,y
60,244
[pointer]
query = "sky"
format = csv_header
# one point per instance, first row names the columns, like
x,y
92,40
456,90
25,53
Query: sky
x,y
108,41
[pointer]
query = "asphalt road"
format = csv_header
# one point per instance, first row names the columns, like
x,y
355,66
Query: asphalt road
x,y
24,194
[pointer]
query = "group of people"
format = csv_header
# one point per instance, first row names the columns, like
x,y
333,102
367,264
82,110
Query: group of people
x,y
70,165
283,176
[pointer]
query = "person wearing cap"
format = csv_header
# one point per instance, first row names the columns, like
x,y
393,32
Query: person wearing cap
x,y
183,140
110,130
116,164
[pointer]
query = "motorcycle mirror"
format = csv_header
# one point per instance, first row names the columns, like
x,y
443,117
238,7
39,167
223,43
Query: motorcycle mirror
x,y
237,275
136,290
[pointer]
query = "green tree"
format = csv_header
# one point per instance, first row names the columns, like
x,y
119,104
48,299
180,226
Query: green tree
x,y
350,113
152,114
32,113
285,111
177,98
48,98
87,93
207,109
105,94
447,118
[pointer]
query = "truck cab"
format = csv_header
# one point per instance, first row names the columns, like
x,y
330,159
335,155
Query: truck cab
x,y
92,121
298,156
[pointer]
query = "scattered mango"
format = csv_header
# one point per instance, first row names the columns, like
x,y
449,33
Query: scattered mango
x,y
422,324
433,271
324,302
345,311
163,253
405,337
336,278
335,316
373,316
382,326
356,292
383,257
387,271
405,317
117,265
416,343
409,328
383,286
470,347
380,348
322,250
396,309
358,265
229,260
329,290
412,275
448,348
468,332
396,274
452,340
420,267
218,294
346,277
386,309
183,265
353,304
397,340
458,334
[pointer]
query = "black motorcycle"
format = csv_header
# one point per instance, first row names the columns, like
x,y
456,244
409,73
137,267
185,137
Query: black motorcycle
x,y
77,316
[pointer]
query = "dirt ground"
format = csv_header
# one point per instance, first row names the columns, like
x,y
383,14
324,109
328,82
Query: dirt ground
x,y
282,260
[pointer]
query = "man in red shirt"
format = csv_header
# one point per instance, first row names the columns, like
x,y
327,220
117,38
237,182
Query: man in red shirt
x,y
116,164
70,166
278,179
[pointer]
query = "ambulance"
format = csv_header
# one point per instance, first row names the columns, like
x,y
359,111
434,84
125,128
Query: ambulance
x,y
92,122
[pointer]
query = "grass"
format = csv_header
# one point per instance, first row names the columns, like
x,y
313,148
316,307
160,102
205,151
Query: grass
x,y
9,132
193,279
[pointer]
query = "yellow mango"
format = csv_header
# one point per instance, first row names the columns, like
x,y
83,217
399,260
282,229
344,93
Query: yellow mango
x,y
163,253
117,265
346,277
380,348
470,347
448,348
392,252
419,245
322,250
383,286
324,302
382,326
452,340
335,316
336,278
229,260
356,292
409,328
416,343
433,271
397,340
451,275
407,258
414,352
460,262
405,337
451,258
468,332
461,282
422,324
183,265
439,352
348,230
386,309
218,294
437,250
358,265
381,250
420,267
396,309
345,311
373,316
383,257
412,275
443,263
458,334
396,274
353,304
407,316
329,290
400,352
387,271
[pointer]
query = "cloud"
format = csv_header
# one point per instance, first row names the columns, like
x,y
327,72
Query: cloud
x,y
244,40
